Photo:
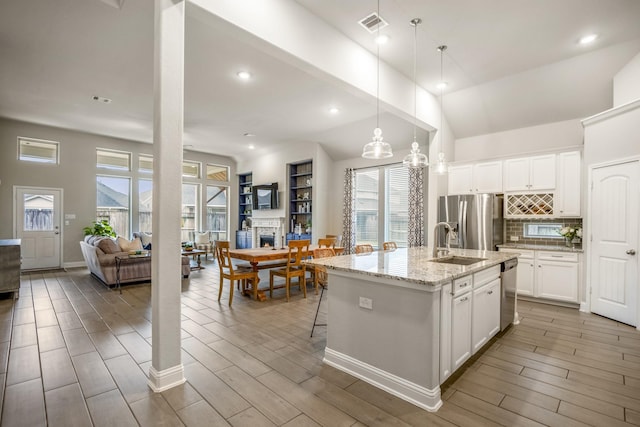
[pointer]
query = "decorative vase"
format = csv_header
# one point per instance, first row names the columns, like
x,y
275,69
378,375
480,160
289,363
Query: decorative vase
x,y
567,242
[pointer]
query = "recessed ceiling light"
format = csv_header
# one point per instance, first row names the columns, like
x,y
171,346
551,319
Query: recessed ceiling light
x,y
334,110
244,75
590,38
442,85
101,99
251,147
248,134
382,39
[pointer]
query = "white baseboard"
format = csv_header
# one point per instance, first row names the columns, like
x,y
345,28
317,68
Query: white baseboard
x,y
413,393
75,264
584,307
166,379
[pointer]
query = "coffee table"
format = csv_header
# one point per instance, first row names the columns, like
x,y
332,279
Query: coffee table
x,y
196,254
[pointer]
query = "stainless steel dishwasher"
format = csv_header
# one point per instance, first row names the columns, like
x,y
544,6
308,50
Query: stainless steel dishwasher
x,y
509,289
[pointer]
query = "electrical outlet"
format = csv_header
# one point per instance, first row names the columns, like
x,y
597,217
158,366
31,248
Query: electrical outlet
x,y
366,303
514,238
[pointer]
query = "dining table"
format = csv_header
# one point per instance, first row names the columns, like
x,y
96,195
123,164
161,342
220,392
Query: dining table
x,y
269,257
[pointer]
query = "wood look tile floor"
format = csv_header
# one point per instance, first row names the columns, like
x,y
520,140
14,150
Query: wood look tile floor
x,y
74,353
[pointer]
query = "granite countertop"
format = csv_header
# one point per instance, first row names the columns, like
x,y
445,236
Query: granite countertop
x,y
412,264
559,248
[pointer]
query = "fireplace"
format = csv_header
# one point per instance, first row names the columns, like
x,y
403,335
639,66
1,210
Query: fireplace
x,y
263,228
267,240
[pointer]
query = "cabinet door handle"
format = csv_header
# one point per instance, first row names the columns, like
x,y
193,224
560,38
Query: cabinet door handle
x,y
464,285
490,292
556,256
631,252
464,299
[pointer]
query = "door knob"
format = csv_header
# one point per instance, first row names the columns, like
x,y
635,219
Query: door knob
x,y
631,252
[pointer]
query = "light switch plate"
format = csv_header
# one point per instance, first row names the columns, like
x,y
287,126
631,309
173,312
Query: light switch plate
x,y
514,238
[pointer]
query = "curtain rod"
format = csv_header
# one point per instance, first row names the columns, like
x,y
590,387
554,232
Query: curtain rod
x,y
371,167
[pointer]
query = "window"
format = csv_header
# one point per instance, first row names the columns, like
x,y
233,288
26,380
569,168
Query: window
x,y
112,202
190,169
367,207
218,173
145,163
190,209
396,224
38,150
217,208
116,160
382,205
544,230
145,205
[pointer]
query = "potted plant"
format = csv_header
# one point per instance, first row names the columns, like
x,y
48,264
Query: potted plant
x,y
572,235
99,228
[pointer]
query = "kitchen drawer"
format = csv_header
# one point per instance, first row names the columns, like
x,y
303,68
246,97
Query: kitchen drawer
x,y
485,276
524,253
462,285
558,256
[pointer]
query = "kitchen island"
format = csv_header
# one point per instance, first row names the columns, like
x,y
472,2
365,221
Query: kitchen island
x,y
404,321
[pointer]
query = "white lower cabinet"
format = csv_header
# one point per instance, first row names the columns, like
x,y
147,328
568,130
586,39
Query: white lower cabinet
x,y
460,330
470,317
557,276
526,270
486,314
553,275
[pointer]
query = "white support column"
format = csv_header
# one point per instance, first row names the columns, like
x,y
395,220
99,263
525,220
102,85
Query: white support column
x,y
166,369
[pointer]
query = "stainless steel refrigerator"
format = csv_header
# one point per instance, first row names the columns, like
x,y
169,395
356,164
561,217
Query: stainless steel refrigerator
x,y
476,221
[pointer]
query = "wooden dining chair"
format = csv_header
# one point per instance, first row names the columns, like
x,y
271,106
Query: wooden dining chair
x,y
294,267
387,246
228,271
327,242
320,278
364,248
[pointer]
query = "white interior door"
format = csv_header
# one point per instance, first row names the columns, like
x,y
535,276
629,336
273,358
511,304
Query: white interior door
x,y
614,263
37,224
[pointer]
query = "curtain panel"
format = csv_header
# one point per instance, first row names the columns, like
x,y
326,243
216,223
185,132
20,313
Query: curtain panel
x,y
415,235
349,211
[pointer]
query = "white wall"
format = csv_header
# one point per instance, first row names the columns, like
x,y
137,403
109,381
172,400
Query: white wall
x,y
547,137
626,83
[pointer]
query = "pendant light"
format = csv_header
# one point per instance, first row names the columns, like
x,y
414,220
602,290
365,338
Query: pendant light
x,y
377,148
441,167
415,159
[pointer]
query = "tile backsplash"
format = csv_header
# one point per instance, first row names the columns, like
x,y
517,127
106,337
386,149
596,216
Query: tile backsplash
x,y
515,227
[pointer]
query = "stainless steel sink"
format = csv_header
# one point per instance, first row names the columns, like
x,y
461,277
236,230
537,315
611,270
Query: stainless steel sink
x,y
458,260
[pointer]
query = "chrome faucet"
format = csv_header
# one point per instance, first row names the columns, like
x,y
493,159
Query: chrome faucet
x,y
436,237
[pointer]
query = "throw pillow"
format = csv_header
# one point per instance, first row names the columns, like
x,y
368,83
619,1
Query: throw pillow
x,y
108,246
145,238
129,245
202,238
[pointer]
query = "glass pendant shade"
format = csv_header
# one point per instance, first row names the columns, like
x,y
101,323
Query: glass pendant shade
x,y
415,159
377,148
441,167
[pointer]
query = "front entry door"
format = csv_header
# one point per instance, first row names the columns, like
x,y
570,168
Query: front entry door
x,y
37,224
614,261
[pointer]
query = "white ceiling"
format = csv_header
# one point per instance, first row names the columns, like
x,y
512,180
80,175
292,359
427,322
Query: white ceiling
x,y
510,64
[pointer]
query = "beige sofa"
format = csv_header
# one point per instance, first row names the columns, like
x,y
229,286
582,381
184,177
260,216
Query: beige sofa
x,y
103,265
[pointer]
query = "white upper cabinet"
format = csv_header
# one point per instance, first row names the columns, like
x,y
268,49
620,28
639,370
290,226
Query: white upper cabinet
x,y
460,179
530,173
568,189
477,178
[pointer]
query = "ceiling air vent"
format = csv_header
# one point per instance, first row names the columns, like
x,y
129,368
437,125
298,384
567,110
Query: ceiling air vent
x,y
371,22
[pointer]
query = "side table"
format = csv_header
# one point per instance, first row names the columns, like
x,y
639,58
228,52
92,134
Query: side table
x,y
126,259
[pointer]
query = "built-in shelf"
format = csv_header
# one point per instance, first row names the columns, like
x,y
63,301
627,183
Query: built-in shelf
x,y
300,199
245,207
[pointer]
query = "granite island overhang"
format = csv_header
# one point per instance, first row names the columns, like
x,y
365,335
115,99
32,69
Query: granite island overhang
x,y
390,316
